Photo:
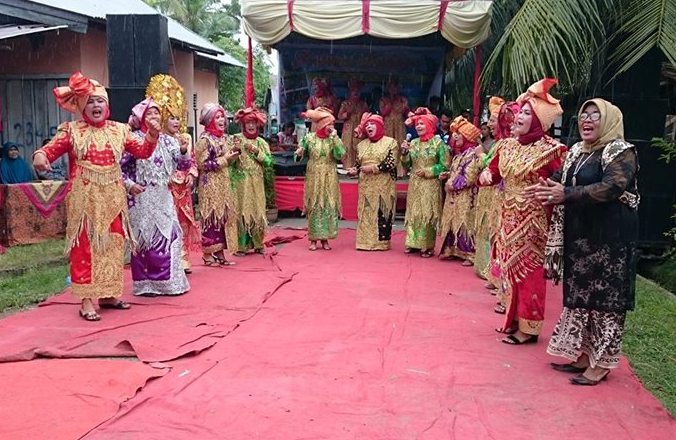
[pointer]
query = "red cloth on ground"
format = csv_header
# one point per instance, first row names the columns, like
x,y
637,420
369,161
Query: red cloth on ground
x,y
366,345
64,399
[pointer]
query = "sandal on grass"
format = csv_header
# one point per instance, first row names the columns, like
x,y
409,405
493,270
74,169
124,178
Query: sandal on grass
x,y
90,315
118,305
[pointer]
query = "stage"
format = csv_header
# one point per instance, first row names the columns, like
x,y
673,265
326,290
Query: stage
x,y
289,191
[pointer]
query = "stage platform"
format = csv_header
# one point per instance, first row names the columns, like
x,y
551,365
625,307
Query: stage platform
x,y
289,191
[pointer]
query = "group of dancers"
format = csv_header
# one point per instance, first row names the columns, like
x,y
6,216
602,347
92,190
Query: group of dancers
x,y
132,184
490,202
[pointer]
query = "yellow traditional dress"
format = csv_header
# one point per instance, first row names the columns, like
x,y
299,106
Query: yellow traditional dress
x,y
423,199
246,227
377,193
213,190
487,216
457,221
322,193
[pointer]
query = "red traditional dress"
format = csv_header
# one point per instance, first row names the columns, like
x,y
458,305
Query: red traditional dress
x,y
524,222
184,209
98,222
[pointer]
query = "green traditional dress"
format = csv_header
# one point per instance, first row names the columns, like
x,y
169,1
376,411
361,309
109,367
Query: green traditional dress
x,y
423,200
322,193
246,227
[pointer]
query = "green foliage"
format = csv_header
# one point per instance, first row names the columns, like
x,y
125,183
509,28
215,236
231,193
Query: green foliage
x,y
218,23
668,148
583,43
650,341
668,154
208,18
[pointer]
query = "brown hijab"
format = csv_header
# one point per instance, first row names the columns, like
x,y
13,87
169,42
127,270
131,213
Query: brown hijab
x,y
611,127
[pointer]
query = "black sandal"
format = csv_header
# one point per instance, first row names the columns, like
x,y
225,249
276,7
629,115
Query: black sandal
x,y
90,316
513,340
500,309
118,305
222,261
567,368
427,254
210,263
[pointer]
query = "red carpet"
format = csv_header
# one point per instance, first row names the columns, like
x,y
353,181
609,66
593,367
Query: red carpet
x,y
64,399
355,346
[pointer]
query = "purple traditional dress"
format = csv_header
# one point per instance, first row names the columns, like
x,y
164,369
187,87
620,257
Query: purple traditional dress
x,y
156,266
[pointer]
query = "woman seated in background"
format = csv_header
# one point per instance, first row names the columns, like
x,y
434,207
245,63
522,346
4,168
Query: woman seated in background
x,y
13,168
592,243
58,171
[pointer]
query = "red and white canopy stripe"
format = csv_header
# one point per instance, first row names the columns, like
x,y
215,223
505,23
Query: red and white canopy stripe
x,y
465,23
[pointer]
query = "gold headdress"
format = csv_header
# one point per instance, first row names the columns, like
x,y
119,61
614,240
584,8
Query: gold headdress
x,y
170,96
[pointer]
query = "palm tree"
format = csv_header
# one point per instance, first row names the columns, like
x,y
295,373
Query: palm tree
x,y
208,18
585,43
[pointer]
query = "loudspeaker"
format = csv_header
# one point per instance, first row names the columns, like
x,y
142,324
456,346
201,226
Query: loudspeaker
x,y
122,99
138,48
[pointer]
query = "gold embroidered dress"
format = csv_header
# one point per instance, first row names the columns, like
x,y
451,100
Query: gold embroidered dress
x,y
423,200
487,215
96,205
213,190
377,193
457,221
246,228
322,193
524,222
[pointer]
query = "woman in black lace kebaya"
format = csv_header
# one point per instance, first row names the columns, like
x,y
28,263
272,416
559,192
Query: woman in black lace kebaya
x,y
592,243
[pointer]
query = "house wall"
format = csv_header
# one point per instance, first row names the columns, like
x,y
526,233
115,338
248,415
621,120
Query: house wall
x,y
206,87
55,52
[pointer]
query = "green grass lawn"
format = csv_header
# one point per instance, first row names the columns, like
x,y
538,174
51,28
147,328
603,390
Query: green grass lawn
x,y
21,258
650,340
30,274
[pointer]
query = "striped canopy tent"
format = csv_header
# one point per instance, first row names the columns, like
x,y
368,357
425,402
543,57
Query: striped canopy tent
x,y
463,23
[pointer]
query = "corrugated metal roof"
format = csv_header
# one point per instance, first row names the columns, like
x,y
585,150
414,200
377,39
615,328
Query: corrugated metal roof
x,y
98,9
11,30
221,58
